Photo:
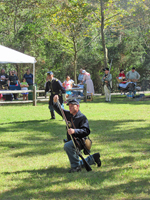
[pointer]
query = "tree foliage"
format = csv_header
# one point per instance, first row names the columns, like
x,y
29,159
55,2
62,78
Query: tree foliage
x,y
66,35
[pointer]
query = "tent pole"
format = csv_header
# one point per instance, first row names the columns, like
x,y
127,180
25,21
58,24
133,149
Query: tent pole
x,y
33,73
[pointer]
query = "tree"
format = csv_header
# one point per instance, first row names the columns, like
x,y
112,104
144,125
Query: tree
x,y
69,26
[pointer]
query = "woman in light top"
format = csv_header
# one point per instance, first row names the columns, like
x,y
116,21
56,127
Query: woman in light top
x,y
88,81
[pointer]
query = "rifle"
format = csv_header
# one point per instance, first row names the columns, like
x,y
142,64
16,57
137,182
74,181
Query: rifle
x,y
110,65
87,166
110,83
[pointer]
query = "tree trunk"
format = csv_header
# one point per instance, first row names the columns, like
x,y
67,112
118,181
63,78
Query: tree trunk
x,y
102,33
75,60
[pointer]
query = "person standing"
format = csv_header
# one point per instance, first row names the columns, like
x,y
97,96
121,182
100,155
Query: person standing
x,y
29,77
106,80
80,77
79,128
54,86
13,81
88,81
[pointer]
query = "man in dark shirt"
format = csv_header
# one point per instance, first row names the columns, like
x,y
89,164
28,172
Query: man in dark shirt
x,y
54,86
29,77
13,80
3,78
79,128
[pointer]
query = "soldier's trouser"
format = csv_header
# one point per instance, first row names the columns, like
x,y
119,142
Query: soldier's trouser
x,y
107,93
51,107
74,158
52,110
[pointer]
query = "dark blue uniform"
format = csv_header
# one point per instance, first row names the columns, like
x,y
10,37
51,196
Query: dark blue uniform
x,y
80,122
56,88
81,127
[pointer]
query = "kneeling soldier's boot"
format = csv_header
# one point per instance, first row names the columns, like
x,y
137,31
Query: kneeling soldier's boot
x,y
52,115
77,169
96,157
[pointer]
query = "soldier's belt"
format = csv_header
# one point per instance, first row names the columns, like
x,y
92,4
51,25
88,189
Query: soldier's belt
x,y
57,93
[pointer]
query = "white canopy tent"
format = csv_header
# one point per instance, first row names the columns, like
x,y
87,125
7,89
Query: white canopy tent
x,y
8,55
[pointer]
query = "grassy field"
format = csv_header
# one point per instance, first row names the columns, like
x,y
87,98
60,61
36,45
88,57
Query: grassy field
x,y
33,164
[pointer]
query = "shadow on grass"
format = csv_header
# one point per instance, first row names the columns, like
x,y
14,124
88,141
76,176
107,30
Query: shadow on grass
x,y
122,161
44,135
19,122
54,182
41,184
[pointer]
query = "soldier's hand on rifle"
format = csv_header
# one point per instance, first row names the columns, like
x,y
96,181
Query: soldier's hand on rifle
x,y
55,98
106,81
71,131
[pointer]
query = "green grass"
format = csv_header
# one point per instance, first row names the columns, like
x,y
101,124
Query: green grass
x,y
33,164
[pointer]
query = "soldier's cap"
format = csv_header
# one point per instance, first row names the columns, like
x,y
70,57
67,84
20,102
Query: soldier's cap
x,y
50,73
106,69
73,101
133,67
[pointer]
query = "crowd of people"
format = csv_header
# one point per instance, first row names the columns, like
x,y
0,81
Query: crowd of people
x,y
12,82
127,82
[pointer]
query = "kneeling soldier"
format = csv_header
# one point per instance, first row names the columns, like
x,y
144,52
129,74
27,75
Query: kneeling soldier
x,y
79,128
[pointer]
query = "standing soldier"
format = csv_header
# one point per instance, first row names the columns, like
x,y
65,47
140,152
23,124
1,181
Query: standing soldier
x,y
107,83
54,86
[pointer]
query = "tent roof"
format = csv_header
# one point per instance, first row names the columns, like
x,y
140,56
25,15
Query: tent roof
x,y
8,55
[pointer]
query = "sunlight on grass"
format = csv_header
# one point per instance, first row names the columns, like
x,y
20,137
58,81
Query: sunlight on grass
x,y
35,166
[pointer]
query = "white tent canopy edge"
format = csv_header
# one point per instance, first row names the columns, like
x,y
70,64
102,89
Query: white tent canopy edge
x,y
8,55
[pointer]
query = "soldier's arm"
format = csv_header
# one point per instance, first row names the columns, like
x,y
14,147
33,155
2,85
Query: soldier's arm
x,y
56,108
109,78
84,129
47,87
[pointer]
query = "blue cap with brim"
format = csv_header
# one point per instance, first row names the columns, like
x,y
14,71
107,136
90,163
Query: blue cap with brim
x,y
73,101
50,73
